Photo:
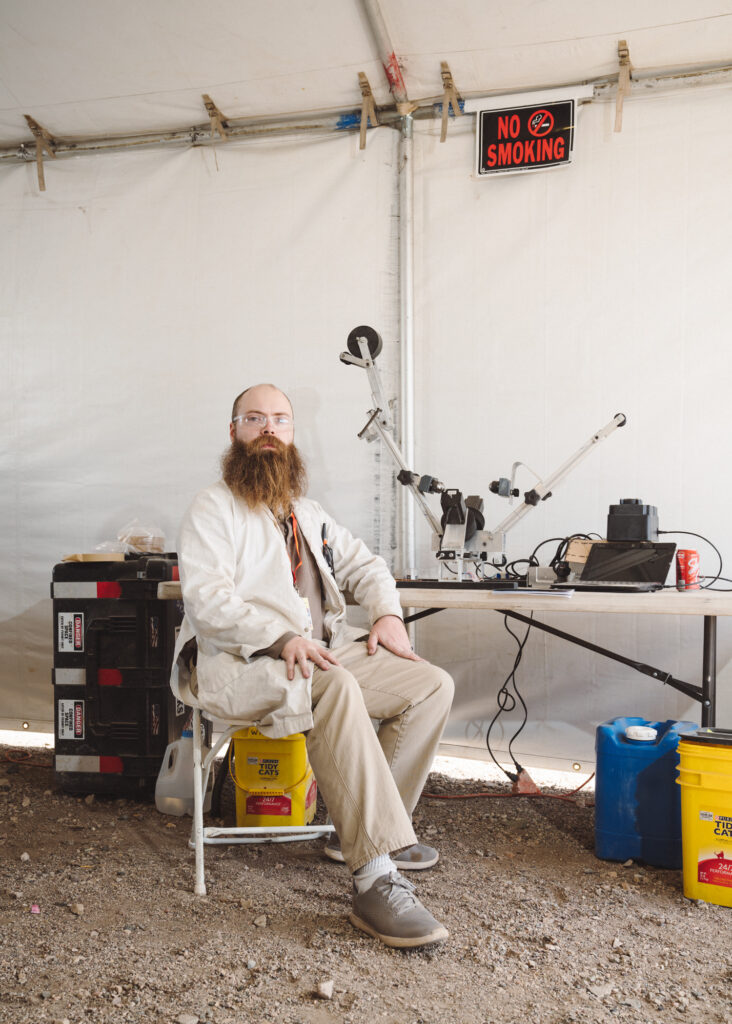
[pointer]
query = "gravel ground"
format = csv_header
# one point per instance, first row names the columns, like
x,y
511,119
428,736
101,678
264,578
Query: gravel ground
x,y
100,923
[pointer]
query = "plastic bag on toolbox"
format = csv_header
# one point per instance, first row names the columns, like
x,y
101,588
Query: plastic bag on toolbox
x,y
136,537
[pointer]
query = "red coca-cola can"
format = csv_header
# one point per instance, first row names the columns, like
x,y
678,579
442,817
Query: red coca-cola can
x,y
687,569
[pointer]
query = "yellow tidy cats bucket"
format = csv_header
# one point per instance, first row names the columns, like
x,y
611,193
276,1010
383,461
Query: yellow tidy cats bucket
x,y
705,777
275,785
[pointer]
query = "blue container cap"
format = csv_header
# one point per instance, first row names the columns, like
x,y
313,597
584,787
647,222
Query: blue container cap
x,y
641,734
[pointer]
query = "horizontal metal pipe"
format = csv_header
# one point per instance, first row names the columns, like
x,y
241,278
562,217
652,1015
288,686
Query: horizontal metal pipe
x,y
200,135
347,121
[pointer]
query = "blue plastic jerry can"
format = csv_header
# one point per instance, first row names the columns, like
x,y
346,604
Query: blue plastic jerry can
x,y
637,803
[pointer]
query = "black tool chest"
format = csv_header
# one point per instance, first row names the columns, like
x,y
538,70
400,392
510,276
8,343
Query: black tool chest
x,y
113,643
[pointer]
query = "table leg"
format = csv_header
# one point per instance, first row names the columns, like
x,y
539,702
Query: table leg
x,y
709,672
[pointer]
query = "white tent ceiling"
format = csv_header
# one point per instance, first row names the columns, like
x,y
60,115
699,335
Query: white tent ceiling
x,y
97,67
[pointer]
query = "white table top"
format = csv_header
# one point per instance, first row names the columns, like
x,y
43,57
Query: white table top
x,y
662,602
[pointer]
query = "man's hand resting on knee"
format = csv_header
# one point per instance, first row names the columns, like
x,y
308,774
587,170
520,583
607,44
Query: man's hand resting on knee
x,y
391,633
300,651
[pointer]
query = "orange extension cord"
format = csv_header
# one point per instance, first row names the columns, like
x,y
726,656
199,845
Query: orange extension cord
x,y
547,796
25,761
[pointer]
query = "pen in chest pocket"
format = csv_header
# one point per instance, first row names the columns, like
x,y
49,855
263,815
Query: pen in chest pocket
x,y
327,550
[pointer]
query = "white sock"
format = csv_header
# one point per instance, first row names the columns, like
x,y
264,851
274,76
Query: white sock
x,y
365,877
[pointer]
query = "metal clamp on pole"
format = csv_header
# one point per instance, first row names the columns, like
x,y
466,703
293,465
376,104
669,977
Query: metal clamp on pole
x,y
623,82
368,110
44,142
217,119
450,98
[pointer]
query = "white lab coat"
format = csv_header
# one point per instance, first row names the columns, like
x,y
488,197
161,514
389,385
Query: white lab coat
x,y
239,598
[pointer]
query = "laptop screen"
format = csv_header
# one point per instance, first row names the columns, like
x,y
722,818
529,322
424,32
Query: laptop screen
x,y
621,562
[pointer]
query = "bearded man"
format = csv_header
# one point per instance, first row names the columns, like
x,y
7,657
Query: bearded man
x,y
263,569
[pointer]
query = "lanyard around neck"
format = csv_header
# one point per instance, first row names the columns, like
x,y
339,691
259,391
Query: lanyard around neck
x,y
297,548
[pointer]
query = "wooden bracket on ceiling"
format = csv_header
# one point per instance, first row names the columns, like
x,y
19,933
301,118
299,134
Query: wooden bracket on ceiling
x,y
623,82
44,142
450,98
368,110
217,119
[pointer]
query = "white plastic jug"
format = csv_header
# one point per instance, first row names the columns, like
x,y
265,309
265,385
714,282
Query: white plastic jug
x,y
174,787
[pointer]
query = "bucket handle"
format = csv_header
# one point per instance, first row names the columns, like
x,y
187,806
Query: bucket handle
x,y
696,776
715,780
279,792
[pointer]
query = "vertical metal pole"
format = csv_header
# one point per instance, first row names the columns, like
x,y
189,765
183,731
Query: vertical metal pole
x,y
397,86
407,543
709,672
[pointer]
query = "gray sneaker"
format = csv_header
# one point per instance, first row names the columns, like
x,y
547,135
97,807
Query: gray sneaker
x,y
390,911
414,858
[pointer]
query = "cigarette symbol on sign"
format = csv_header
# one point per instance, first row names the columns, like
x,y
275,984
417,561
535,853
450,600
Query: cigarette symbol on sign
x,y
541,123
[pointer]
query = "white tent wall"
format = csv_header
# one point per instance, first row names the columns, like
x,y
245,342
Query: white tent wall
x,y
145,288
548,302
140,293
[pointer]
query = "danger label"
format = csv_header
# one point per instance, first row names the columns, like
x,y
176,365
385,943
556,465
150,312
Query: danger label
x,y
70,631
71,719
525,138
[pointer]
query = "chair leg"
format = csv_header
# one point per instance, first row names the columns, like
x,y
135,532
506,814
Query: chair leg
x,y
200,884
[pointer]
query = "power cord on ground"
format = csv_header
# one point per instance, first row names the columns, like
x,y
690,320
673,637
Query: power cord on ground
x,y
566,797
24,761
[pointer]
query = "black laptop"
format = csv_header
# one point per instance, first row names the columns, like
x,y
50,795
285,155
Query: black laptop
x,y
623,567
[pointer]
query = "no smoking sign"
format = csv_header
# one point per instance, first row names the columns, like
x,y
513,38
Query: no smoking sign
x,y
525,138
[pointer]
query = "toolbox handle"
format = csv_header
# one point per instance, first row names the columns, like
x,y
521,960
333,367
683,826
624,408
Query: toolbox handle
x,y
125,623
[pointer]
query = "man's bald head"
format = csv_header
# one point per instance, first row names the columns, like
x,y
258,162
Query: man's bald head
x,y
266,406
236,411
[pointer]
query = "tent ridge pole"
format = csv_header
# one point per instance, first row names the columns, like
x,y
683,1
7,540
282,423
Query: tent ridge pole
x,y
406,333
405,171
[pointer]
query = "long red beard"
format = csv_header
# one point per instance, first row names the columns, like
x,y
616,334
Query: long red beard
x,y
274,477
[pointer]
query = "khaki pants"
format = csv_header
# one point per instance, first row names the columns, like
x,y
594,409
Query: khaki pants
x,y
371,781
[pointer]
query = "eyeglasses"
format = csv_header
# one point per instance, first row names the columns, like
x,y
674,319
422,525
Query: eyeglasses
x,y
257,419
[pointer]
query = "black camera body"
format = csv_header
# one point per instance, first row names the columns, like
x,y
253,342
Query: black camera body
x,y
632,520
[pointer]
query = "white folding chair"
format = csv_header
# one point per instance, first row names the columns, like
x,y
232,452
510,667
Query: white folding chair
x,y
213,835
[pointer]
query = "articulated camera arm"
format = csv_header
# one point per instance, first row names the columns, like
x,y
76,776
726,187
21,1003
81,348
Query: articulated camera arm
x,y
364,345
543,489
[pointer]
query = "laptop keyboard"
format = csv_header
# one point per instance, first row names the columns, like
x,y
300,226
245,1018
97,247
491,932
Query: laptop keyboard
x,y
610,585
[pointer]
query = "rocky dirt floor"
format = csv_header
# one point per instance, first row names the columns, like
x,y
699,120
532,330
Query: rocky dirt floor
x,y
99,922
